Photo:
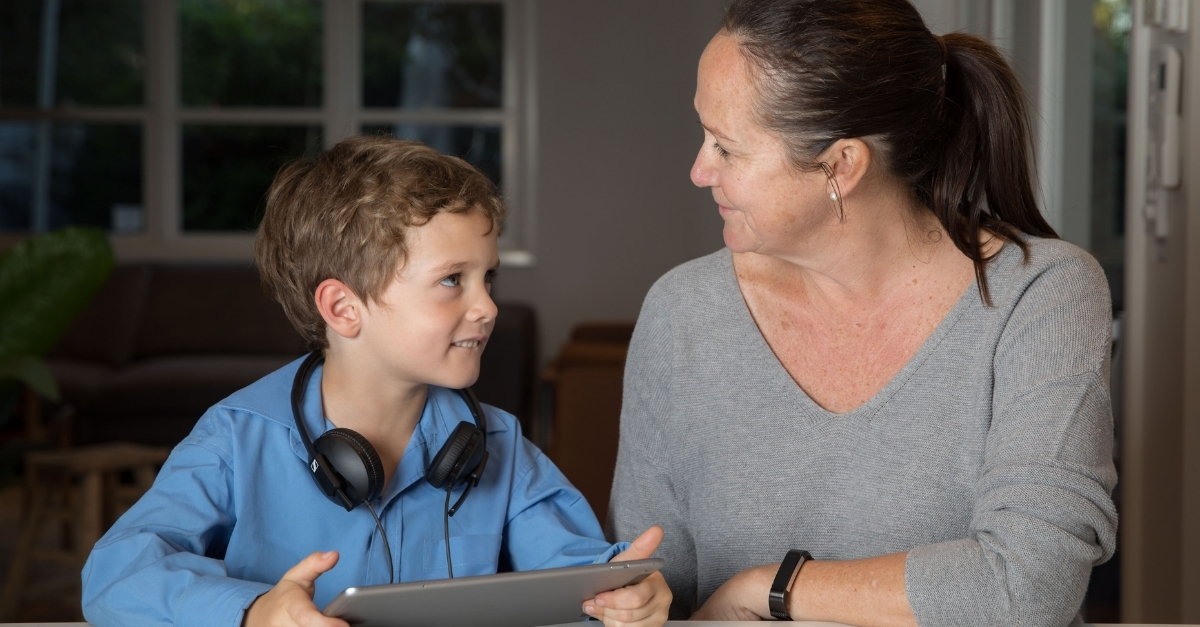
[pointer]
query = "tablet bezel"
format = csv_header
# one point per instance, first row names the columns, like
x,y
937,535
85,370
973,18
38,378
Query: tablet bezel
x,y
517,599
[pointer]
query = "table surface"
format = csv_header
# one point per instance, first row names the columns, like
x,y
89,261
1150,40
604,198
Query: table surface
x,y
670,623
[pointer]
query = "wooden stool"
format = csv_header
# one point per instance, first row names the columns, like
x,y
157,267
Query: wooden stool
x,y
81,488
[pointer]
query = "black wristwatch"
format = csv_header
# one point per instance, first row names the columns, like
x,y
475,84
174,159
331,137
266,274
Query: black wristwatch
x,y
784,580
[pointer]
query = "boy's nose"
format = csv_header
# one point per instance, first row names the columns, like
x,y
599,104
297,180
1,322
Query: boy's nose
x,y
484,309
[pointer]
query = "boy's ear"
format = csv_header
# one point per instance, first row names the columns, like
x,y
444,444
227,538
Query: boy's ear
x,y
340,307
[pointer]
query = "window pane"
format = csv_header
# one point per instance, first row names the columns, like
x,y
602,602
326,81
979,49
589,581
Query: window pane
x,y
17,141
97,46
94,175
235,53
477,145
432,55
227,170
19,21
1112,20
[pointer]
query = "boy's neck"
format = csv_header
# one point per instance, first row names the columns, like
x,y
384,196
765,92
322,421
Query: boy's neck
x,y
365,399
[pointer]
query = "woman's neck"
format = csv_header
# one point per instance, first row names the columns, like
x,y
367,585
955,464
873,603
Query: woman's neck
x,y
885,242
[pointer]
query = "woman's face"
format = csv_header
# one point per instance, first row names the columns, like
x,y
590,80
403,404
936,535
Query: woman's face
x,y
768,205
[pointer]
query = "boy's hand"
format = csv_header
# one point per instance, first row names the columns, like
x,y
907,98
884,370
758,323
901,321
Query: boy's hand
x,y
289,603
643,604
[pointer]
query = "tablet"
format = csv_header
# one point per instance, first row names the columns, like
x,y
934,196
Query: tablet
x,y
524,599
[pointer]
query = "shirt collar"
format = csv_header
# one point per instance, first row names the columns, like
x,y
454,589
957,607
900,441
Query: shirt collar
x,y
444,409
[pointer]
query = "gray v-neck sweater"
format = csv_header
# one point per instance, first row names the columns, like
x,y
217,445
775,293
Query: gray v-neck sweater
x,y
988,458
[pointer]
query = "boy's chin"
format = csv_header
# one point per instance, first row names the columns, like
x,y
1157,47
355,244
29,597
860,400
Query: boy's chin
x,y
458,382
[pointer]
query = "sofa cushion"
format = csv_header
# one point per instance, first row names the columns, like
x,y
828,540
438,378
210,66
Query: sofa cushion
x,y
157,401
79,380
209,310
106,329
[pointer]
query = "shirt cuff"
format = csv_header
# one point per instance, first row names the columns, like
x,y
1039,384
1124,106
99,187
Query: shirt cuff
x,y
611,552
218,601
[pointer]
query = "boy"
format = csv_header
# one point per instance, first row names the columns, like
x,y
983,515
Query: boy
x,y
382,254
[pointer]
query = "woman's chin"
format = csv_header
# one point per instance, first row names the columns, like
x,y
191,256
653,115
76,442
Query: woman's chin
x,y
738,241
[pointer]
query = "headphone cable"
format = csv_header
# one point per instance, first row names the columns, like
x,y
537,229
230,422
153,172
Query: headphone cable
x,y
387,549
446,520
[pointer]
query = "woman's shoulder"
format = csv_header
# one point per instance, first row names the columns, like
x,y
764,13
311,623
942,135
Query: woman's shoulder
x,y
699,279
1044,265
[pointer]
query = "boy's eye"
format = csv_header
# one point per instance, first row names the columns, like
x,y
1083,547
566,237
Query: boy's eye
x,y
489,276
450,281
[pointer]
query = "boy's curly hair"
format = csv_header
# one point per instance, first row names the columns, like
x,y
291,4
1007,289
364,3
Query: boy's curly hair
x,y
344,215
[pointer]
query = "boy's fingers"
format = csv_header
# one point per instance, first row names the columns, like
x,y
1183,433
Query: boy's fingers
x,y
634,604
643,547
309,568
310,617
625,598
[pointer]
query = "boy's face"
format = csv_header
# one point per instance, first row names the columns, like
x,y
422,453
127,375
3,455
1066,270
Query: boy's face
x,y
431,324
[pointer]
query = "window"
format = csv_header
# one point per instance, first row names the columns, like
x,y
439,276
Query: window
x,y
164,122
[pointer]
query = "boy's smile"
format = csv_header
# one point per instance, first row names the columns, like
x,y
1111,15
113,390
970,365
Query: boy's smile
x,y
432,323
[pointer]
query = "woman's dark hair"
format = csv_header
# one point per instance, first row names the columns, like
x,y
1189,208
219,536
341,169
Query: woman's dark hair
x,y
947,115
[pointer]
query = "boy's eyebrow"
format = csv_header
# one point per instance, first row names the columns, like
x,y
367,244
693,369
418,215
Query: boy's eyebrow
x,y
450,267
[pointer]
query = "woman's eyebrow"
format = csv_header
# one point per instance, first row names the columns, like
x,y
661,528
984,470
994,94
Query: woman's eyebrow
x,y
715,132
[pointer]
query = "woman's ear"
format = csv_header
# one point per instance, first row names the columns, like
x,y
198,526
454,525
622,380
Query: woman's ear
x,y
848,161
340,307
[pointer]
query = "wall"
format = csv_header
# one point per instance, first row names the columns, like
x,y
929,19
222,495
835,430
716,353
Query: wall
x,y
615,138
1161,446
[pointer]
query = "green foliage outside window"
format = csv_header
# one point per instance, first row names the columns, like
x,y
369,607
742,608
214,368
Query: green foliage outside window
x,y
472,34
250,53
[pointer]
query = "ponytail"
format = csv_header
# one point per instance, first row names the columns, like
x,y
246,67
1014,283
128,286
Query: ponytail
x,y
981,177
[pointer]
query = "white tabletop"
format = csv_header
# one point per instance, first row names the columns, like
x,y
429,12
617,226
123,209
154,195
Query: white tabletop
x,y
670,623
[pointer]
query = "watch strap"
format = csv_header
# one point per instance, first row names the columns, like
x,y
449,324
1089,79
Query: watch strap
x,y
785,578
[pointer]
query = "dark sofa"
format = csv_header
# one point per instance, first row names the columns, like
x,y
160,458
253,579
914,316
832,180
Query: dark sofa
x,y
160,343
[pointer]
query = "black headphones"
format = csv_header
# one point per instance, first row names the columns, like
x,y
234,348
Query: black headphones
x,y
347,468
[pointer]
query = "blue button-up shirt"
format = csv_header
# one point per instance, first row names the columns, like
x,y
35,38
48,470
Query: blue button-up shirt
x,y
234,507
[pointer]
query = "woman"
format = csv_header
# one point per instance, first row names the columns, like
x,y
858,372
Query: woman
x,y
895,365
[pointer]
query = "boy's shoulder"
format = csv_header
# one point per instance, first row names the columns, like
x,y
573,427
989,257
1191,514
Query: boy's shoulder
x,y
269,397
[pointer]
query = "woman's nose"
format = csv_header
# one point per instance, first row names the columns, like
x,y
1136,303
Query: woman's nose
x,y
703,174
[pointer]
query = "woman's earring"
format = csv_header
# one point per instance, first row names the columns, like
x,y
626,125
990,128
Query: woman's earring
x,y
833,196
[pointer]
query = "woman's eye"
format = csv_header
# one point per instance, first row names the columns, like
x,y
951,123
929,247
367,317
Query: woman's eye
x,y
450,281
720,151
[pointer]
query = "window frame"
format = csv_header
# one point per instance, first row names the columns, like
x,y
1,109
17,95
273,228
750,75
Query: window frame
x,y
340,115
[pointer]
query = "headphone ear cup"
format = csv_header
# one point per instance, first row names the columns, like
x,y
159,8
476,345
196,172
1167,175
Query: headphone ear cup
x,y
353,459
461,452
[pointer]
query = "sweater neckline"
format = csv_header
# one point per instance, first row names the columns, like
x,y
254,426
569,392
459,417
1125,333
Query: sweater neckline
x,y
761,350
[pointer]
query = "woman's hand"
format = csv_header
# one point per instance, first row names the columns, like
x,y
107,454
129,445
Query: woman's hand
x,y
643,604
289,603
742,597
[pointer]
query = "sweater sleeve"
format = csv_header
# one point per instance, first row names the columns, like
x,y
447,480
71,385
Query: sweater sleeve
x,y
1043,513
643,493
160,564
